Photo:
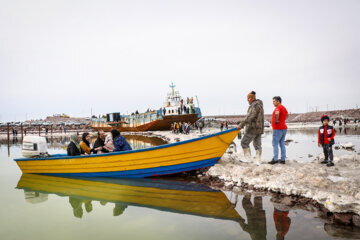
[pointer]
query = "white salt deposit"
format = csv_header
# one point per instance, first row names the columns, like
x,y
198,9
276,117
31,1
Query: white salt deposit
x,y
348,145
335,187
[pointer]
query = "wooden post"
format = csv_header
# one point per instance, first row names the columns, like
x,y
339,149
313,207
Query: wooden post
x,y
39,130
8,131
51,129
21,129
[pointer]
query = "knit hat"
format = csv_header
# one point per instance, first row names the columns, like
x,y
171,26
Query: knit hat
x,y
323,117
252,95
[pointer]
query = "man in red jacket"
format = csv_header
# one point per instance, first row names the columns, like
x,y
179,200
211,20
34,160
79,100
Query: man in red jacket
x,y
279,117
326,140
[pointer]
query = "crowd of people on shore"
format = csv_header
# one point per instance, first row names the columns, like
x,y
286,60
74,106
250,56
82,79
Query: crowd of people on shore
x,y
180,127
185,127
113,142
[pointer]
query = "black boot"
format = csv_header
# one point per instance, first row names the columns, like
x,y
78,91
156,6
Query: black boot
x,y
324,161
273,162
330,164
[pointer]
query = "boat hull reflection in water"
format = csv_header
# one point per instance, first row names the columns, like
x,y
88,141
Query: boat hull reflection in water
x,y
166,195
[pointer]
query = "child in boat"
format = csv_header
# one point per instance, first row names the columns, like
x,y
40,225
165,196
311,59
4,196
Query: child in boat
x,y
326,140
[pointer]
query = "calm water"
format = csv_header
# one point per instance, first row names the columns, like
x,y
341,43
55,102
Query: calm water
x,y
44,207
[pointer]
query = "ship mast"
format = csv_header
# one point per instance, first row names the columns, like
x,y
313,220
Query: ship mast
x,y
172,89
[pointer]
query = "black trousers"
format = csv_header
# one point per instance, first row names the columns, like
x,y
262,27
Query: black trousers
x,y
328,152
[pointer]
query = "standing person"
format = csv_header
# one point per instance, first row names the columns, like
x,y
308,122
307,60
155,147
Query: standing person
x,y
188,129
279,116
226,125
221,126
177,128
181,127
254,123
326,140
172,127
201,125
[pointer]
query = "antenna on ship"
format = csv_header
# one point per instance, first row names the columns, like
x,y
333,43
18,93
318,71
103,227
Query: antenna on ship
x,y
172,89
197,101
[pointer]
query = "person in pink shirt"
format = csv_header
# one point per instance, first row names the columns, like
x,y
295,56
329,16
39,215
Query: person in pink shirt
x,y
279,117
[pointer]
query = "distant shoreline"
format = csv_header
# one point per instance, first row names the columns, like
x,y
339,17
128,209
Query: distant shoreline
x,y
351,114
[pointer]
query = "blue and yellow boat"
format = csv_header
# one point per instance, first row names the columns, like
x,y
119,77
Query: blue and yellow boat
x,y
161,160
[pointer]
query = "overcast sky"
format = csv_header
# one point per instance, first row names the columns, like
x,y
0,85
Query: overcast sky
x,y
121,56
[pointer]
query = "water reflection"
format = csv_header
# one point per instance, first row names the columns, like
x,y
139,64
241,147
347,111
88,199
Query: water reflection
x,y
281,220
256,218
76,204
171,196
184,198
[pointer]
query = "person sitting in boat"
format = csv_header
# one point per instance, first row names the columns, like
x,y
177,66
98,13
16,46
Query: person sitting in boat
x,y
109,144
74,148
85,144
100,143
120,142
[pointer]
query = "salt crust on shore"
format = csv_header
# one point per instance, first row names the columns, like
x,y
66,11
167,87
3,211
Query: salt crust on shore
x,y
337,188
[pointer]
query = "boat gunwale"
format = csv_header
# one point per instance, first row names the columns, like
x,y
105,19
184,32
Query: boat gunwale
x,y
130,151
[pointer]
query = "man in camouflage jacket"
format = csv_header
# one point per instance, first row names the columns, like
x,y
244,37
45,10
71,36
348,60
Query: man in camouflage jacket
x,y
254,127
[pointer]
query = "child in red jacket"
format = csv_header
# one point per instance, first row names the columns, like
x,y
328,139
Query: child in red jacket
x,y
326,140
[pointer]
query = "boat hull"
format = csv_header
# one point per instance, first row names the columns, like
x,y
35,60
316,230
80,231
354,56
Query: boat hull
x,y
162,160
156,125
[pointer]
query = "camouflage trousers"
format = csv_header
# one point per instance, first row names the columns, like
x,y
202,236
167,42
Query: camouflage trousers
x,y
248,138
